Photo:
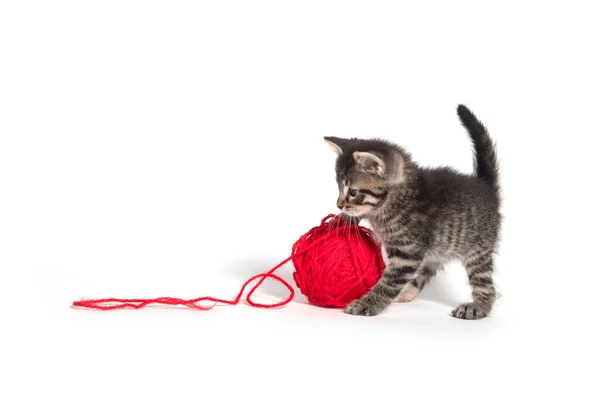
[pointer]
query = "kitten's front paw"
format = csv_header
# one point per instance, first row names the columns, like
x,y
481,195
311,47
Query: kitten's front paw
x,y
357,307
470,311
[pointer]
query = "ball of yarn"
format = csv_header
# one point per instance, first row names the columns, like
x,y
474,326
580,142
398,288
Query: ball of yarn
x,y
336,262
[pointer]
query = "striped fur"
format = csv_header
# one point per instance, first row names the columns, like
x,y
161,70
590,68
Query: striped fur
x,y
423,217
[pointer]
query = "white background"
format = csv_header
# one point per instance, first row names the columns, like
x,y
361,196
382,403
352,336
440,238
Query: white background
x,y
175,148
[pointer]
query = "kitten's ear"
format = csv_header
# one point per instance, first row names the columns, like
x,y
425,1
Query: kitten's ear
x,y
335,144
369,163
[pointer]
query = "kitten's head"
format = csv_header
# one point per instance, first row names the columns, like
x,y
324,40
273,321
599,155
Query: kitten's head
x,y
365,171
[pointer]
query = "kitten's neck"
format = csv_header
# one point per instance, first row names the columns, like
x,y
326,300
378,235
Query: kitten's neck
x,y
401,202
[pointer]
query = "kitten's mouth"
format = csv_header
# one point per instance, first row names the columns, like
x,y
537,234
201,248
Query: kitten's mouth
x,y
351,212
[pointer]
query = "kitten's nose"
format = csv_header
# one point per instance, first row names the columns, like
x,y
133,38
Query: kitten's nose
x,y
340,204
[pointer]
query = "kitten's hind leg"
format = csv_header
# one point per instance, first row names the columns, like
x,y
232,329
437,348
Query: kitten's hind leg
x,y
480,271
415,286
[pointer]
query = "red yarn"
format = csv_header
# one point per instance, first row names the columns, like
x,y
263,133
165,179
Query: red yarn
x,y
335,263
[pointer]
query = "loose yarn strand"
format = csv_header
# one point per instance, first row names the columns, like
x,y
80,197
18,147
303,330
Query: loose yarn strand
x,y
107,304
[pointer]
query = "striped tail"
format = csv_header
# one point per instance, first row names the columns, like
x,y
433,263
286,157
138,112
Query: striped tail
x,y
485,159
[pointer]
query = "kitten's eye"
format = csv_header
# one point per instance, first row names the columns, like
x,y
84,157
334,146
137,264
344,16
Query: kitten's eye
x,y
353,192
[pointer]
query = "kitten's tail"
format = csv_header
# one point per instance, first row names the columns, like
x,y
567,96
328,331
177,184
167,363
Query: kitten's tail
x,y
485,159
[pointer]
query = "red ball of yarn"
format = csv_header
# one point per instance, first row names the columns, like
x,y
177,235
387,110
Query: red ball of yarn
x,y
336,262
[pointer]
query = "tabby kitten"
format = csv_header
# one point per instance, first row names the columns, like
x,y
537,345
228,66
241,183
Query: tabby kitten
x,y
423,217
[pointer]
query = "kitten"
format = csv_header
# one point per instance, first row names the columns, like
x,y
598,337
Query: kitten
x,y
423,217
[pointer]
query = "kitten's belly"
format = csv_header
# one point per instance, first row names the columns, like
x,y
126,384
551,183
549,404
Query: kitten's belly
x,y
440,251
441,256
444,252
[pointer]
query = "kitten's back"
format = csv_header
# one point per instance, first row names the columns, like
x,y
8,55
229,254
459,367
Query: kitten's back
x,y
463,211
